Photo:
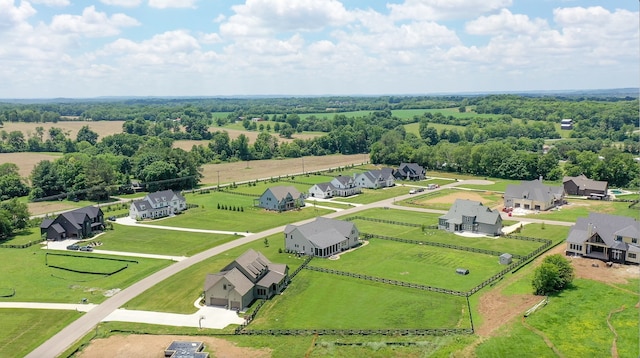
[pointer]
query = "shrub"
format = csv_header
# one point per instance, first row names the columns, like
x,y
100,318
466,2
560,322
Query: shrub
x,y
555,274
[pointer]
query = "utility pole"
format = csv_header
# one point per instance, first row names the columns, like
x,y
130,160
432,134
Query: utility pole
x,y
218,180
302,165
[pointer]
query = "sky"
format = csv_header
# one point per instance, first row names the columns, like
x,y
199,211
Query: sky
x,y
93,48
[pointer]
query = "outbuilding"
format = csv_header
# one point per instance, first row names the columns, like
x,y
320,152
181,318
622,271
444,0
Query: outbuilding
x,y
506,259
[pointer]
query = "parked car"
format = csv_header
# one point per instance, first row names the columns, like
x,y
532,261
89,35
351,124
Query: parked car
x,y
86,248
412,191
111,218
73,247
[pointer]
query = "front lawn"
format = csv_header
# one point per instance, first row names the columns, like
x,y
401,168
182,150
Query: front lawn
x,y
372,195
577,208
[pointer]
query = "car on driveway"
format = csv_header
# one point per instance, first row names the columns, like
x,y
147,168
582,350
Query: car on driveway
x,y
73,247
86,248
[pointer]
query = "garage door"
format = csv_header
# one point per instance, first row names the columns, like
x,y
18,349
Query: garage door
x,y
218,301
235,304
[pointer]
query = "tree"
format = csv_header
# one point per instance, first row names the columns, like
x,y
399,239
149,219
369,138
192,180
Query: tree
x,y
18,213
555,274
86,134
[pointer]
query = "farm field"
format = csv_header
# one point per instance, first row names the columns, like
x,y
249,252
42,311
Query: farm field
x,y
348,304
25,271
103,128
160,242
251,219
26,161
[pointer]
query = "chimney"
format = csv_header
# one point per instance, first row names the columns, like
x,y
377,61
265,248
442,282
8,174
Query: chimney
x,y
540,178
589,229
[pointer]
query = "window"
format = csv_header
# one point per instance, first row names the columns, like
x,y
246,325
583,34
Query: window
x,y
632,256
618,238
634,241
224,286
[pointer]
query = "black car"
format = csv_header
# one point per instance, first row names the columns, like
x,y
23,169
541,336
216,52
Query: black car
x,y
111,218
73,247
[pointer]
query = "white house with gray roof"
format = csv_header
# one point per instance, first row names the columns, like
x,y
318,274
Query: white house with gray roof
x,y
341,186
281,198
533,195
322,237
251,276
606,237
157,205
471,216
375,179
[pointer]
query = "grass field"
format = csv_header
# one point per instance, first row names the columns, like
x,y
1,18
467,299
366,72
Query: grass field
x,y
25,271
252,219
23,330
339,302
160,242
372,195
575,321
581,208
425,265
442,199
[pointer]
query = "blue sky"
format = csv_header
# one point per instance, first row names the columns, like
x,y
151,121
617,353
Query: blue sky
x,y
67,48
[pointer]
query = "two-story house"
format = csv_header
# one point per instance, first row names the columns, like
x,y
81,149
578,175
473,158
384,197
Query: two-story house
x,y
157,205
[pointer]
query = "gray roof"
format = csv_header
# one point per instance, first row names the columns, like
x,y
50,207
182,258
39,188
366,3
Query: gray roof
x,y
534,190
272,277
585,183
253,262
411,168
324,186
240,283
376,174
280,192
58,228
162,196
465,207
323,232
607,227
46,223
344,180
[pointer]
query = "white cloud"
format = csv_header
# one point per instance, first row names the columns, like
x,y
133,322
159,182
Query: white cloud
x,y
212,38
92,23
265,17
444,9
166,44
505,23
11,16
57,3
123,3
168,4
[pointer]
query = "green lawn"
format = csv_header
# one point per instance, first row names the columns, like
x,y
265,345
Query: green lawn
x,y
252,219
338,302
581,208
420,264
313,203
487,198
414,217
160,242
25,271
372,195
575,322
23,237
23,330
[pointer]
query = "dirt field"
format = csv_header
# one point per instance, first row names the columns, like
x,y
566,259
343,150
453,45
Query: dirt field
x,y
148,346
234,133
103,128
26,161
258,169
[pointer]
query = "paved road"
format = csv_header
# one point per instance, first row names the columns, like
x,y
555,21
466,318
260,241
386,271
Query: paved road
x,y
83,325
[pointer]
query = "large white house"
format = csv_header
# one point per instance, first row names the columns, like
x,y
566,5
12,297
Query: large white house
x,y
323,237
374,179
157,205
339,186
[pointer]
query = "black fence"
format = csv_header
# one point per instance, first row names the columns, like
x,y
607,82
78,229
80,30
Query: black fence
x,y
361,332
438,244
21,246
388,281
392,222
242,194
526,238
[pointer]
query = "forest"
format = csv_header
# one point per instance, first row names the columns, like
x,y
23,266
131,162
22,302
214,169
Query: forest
x,y
504,136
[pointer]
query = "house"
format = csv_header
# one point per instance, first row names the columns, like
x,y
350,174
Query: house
x,y
583,186
322,237
251,276
566,124
374,179
471,216
409,171
606,237
76,224
342,186
157,205
533,195
281,198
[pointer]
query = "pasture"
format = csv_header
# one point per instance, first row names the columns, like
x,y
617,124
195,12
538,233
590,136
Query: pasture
x,y
442,199
27,161
71,128
338,302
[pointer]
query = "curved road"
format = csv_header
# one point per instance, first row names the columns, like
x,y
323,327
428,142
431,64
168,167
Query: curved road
x,y
83,325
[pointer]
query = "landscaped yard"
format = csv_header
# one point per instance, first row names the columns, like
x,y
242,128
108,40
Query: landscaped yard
x,y
329,301
443,199
581,208
372,195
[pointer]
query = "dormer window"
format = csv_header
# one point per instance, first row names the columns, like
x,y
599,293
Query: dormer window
x,y
618,238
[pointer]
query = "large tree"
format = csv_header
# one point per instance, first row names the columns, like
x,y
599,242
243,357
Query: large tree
x,y
553,275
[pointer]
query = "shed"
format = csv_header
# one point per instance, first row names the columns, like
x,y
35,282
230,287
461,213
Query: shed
x,y
506,259
462,271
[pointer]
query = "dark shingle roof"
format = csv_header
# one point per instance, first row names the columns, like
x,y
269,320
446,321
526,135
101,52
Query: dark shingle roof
x,y
534,190
465,207
280,192
323,232
585,183
607,227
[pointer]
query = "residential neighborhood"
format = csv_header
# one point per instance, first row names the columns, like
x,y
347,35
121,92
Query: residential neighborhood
x,y
471,216
158,205
533,195
322,237
375,179
583,186
340,186
75,224
409,171
281,198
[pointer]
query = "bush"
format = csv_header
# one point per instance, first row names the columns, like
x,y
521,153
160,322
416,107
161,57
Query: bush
x,y
554,275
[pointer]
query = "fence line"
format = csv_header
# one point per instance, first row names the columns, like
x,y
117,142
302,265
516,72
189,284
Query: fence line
x,y
360,332
391,222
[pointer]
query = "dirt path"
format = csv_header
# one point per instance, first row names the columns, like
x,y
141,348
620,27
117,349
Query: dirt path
x,y
546,339
151,346
614,344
